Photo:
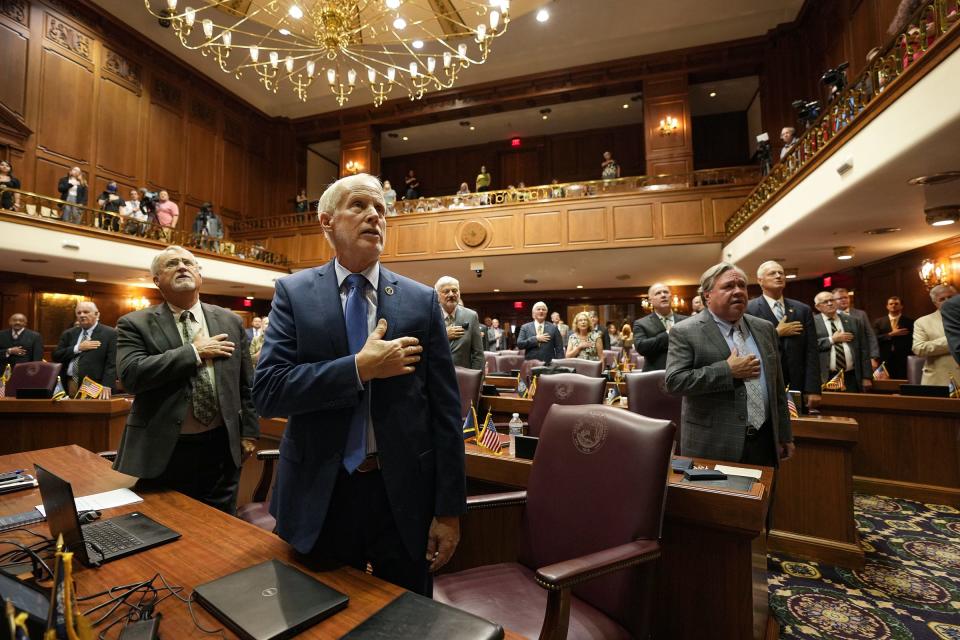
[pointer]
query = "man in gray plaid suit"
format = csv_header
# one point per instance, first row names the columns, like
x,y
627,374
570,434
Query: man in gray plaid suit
x,y
726,365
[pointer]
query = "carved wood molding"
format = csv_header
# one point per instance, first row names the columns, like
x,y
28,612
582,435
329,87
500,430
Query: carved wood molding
x,y
68,37
120,68
203,113
16,10
166,93
13,125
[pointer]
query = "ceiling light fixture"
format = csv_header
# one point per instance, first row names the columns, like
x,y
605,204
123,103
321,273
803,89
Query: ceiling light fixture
x,y
544,113
543,15
843,253
472,128
405,138
343,38
879,231
249,297
713,94
626,105
496,290
942,216
936,178
80,276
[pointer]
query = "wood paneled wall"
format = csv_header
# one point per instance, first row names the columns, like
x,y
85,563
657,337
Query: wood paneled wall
x,y
77,93
720,140
564,156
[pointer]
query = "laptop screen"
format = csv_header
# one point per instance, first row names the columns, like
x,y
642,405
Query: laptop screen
x,y
57,496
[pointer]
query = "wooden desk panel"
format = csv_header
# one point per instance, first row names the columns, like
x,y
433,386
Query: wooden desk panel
x,y
213,544
909,446
28,425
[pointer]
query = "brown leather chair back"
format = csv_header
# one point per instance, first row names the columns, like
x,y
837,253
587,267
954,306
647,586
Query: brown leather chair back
x,y
562,388
647,396
592,368
637,360
598,480
470,381
915,369
490,361
509,363
527,366
609,357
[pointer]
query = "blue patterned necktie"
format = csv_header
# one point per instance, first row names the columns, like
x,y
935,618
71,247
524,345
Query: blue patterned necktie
x,y
756,411
355,315
778,310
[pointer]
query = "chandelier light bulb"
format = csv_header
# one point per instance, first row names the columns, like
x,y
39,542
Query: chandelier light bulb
x,y
413,69
481,32
227,38
331,77
190,16
391,74
208,27
447,59
295,12
254,53
543,15
431,64
462,51
172,5
311,68
288,64
274,59
352,77
494,19
505,6
371,75
393,4
417,44
399,24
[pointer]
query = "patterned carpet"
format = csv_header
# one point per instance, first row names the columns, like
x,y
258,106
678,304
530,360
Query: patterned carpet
x,y
909,588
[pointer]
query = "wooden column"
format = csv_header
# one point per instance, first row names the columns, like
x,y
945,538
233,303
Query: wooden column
x,y
360,144
667,97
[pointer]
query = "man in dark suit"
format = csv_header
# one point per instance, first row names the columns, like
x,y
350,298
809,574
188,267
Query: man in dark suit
x,y
842,345
256,326
844,307
950,311
540,338
726,365
464,330
797,335
895,335
192,422
372,462
19,344
651,334
87,350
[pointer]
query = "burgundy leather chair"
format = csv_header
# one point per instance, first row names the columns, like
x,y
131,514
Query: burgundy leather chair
x,y
257,511
509,363
915,369
527,366
584,559
637,360
592,368
470,381
510,352
562,388
647,396
609,357
490,361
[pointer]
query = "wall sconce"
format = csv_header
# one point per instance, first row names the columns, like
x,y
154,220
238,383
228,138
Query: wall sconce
x,y
669,125
138,303
934,273
354,167
678,303
645,304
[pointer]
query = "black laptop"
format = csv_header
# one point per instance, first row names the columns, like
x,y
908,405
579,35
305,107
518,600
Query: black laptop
x,y
98,541
269,601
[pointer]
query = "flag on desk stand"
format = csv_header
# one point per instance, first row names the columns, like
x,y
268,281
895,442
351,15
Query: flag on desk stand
x,y
58,392
954,389
16,622
532,389
836,383
65,622
791,405
881,373
470,424
521,387
3,381
489,439
90,389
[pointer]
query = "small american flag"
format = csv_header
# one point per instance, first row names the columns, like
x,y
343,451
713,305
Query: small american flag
x,y
532,390
791,405
489,438
881,373
954,389
836,383
90,388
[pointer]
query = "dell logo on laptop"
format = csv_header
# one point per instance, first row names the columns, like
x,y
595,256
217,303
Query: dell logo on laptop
x,y
269,592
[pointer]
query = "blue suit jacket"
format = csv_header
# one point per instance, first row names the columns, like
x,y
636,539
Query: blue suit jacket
x,y
799,356
306,373
545,351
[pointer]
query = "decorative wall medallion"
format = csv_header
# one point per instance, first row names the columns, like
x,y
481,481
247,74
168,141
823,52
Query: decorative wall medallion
x,y
473,234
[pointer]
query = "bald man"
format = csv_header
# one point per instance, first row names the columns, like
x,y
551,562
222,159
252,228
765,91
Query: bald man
x,y
651,334
88,349
19,344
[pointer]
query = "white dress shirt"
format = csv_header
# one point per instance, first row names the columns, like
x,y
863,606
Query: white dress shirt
x,y
198,327
847,351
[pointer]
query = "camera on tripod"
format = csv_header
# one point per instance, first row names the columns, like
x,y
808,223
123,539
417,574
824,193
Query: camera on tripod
x,y
807,111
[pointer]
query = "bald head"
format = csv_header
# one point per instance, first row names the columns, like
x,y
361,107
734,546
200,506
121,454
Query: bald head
x,y
659,296
18,321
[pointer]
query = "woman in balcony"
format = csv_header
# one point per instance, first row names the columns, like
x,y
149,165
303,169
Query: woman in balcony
x,y
389,198
483,180
609,169
8,200
413,186
582,342
73,189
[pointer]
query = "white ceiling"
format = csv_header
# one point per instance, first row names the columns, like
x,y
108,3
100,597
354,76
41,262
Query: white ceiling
x,y
579,32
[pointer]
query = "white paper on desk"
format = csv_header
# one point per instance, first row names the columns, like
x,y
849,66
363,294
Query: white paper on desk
x,y
738,471
101,501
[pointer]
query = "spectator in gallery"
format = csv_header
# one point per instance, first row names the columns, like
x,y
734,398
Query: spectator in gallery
x,y
582,342
696,304
303,203
613,335
905,10
789,137
200,223
8,200
167,214
256,343
598,330
389,198
73,189
111,202
148,204
609,169
214,228
413,186
556,191
483,180
464,189
136,217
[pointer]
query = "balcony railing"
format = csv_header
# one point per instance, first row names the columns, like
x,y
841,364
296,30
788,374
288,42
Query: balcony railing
x,y
926,29
514,196
34,206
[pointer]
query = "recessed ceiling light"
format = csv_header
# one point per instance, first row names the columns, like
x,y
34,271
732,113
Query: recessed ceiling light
x,y
579,286
791,274
399,24
80,276
284,32
879,231
623,276
936,178
405,138
249,297
713,94
295,12
496,290
543,15
543,117
472,128
530,281
843,253
942,216
626,105
418,44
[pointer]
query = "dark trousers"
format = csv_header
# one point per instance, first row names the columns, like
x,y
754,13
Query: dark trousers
x,y
759,448
201,467
359,529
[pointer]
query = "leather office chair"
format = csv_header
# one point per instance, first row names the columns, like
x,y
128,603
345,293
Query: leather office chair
x,y
510,352
915,369
470,381
647,396
527,366
637,360
584,559
609,357
592,368
509,363
562,388
257,511
490,361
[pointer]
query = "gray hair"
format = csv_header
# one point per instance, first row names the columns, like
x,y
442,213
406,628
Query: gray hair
x,y
444,281
940,289
654,286
709,277
332,195
792,130
822,297
87,302
536,304
156,266
765,266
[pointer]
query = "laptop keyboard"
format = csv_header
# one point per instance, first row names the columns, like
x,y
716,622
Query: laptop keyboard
x,y
111,538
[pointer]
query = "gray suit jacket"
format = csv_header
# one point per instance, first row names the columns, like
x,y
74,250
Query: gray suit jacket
x,y
861,353
156,366
714,415
467,350
873,346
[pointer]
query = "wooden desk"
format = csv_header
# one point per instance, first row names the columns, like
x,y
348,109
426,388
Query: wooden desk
x,y
908,445
27,425
709,533
888,386
213,544
813,501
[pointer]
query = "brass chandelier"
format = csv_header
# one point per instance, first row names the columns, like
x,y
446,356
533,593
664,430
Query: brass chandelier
x,y
411,46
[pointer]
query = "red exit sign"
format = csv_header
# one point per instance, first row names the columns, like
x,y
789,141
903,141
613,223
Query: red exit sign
x,y
515,142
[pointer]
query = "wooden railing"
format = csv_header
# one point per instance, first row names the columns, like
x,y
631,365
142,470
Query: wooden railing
x,y
506,197
57,212
933,26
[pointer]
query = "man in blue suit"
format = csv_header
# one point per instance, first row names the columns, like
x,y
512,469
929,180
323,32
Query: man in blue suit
x,y
540,339
372,462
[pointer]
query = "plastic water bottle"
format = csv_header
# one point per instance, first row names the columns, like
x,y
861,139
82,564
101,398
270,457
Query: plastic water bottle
x,y
516,429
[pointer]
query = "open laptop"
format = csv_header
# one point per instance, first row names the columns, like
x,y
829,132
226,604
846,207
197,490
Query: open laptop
x,y
98,541
269,601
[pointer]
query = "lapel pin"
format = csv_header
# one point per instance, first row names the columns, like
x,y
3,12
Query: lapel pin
x,y
388,290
